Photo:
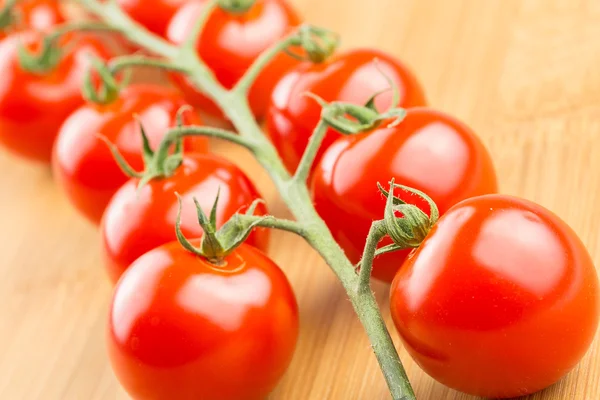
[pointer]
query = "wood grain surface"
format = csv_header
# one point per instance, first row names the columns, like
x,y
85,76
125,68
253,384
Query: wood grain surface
x,y
525,74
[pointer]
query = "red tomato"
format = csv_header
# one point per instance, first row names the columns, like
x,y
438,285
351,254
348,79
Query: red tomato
x,y
428,150
33,106
83,164
38,15
182,328
135,224
153,14
500,300
351,77
230,43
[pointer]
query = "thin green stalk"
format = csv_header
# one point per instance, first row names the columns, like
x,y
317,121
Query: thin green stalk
x,y
191,130
376,233
245,83
123,62
193,38
310,154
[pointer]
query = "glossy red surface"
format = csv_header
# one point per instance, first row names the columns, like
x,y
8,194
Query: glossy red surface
x,y
83,164
33,106
230,43
352,77
428,150
136,223
181,328
38,15
153,14
500,300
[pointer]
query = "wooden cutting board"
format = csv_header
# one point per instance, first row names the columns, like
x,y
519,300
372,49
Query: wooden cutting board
x,y
525,74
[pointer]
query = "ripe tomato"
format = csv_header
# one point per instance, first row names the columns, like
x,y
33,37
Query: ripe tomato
x,y
38,15
230,43
135,224
350,77
500,300
153,14
83,164
428,150
182,328
33,106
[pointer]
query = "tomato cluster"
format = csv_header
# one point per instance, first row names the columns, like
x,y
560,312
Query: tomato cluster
x,y
500,299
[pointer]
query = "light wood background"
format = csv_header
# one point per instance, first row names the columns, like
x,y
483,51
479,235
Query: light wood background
x,y
525,74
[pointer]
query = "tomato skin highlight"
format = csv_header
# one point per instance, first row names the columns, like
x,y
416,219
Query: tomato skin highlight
x,y
135,224
155,15
500,300
230,43
429,150
182,328
351,77
36,15
82,162
32,106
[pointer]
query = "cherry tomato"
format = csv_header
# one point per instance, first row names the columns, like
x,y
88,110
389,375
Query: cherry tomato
x,y
153,14
500,300
352,77
134,224
230,43
33,106
182,328
428,150
83,164
38,15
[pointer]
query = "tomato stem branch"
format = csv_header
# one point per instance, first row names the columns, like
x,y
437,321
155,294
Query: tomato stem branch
x,y
376,233
245,83
310,154
275,223
120,63
193,38
177,133
294,192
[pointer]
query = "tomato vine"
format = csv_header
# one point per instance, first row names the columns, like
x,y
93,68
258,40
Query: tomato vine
x,y
317,43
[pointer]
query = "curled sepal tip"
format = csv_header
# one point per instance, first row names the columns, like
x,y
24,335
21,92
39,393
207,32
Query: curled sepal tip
x,y
236,6
107,89
218,243
42,61
410,229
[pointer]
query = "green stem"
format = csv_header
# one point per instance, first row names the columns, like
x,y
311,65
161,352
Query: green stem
x,y
123,62
310,154
193,37
191,130
376,233
294,192
112,15
275,223
86,26
245,83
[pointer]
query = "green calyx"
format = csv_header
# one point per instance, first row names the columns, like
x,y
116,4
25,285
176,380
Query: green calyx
x,y
352,119
43,61
410,229
157,164
318,44
216,243
236,6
